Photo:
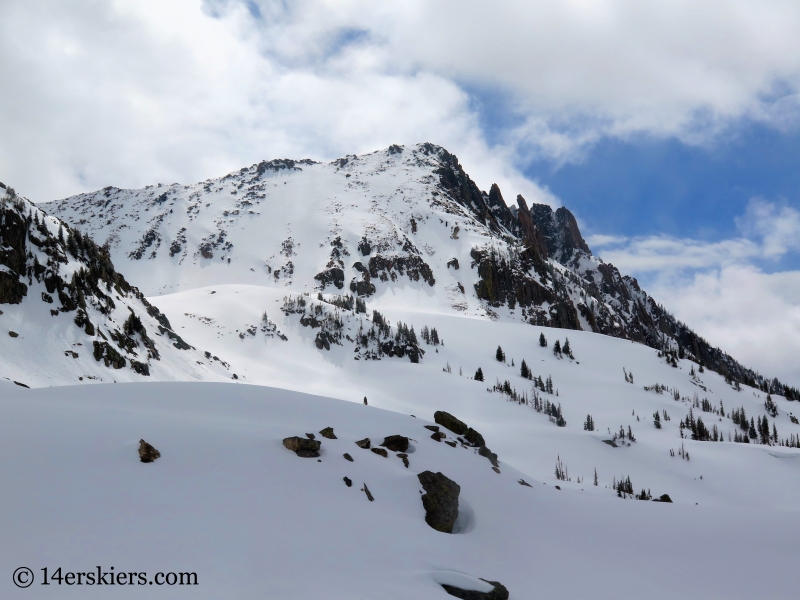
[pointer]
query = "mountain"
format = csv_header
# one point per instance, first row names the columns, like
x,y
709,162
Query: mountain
x,y
68,316
398,227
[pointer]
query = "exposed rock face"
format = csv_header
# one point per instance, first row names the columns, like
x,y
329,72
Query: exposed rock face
x,y
396,443
484,451
474,438
445,419
498,593
303,447
147,453
440,500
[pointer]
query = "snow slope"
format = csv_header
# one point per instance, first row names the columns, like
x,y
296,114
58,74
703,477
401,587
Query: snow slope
x,y
228,502
741,475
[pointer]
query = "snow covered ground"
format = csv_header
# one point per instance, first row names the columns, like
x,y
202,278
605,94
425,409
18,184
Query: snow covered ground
x,y
228,502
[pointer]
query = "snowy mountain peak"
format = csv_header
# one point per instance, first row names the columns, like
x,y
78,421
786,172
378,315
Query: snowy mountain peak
x,y
400,226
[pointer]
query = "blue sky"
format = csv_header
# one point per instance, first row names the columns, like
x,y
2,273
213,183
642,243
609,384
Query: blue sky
x,y
654,186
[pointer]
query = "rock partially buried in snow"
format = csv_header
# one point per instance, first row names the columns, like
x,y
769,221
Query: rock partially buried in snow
x,y
365,443
438,436
440,500
347,457
664,498
347,481
396,443
445,419
498,593
380,452
328,433
484,451
303,447
147,453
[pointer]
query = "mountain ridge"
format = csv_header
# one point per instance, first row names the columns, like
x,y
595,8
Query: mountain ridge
x,y
377,216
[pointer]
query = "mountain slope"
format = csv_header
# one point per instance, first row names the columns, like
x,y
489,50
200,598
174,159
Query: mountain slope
x,y
228,502
404,226
68,316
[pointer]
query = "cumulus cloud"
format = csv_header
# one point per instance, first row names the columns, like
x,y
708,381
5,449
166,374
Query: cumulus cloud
x,y
128,92
717,289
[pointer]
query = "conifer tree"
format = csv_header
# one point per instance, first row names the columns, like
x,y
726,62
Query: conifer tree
x,y
557,348
589,423
595,476
542,340
499,355
523,370
479,374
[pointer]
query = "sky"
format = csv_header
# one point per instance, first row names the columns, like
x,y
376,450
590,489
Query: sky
x,y
670,129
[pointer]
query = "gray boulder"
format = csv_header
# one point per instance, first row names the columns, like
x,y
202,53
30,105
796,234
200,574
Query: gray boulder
x,y
303,447
147,453
440,500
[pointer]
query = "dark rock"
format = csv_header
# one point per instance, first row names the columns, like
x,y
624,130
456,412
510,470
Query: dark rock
x,y
558,487
333,276
367,492
496,470
404,458
440,500
328,433
381,452
22,385
664,498
448,421
347,457
310,436
396,443
450,443
303,447
432,427
348,482
474,438
365,443
523,482
498,593
438,436
147,453
610,443
484,451
13,334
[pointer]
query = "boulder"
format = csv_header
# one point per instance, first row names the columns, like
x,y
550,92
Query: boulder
x,y
381,452
440,500
348,482
303,447
367,492
474,438
328,433
396,443
365,443
484,451
448,421
438,436
404,458
310,436
147,453
664,498
347,457
498,593
432,427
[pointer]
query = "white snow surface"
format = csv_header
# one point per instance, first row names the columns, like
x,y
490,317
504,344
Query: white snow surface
x,y
253,520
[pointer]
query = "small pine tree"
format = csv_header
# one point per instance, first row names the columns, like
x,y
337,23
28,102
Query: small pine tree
x,y
365,400
500,355
657,420
479,374
595,476
523,370
542,340
566,349
589,423
557,348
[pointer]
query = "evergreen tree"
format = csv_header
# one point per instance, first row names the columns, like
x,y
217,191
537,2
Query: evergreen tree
x,y
657,420
557,348
365,400
499,355
566,349
589,424
523,370
595,476
479,374
542,340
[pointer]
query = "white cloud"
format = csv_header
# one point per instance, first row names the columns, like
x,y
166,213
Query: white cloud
x,y
716,289
128,92
752,315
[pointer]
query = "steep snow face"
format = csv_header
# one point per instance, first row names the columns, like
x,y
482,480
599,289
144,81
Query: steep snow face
x,y
228,502
67,316
402,226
